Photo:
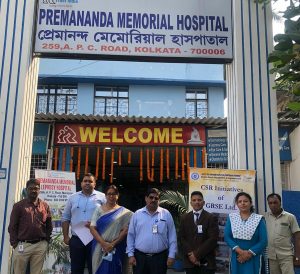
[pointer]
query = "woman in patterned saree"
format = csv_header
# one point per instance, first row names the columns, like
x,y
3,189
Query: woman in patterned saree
x,y
246,234
109,226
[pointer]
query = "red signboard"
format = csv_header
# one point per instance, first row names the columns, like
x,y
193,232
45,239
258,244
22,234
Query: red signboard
x,y
134,135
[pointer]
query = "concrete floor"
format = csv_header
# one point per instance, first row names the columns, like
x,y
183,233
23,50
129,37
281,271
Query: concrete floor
x,y
171,271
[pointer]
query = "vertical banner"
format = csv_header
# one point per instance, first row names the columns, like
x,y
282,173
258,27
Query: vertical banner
x,y
217,148
284,143
56,188
219,188
40,138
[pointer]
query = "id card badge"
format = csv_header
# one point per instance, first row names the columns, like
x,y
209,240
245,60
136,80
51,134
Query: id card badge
x,y
21,248
108,257
199,227
154,229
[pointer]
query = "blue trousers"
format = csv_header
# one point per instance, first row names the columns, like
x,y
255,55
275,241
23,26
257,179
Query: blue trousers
x,y
80,256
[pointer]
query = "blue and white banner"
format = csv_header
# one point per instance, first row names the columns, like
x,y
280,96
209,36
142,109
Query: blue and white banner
x,y
40,138
135,28
217,149
284,144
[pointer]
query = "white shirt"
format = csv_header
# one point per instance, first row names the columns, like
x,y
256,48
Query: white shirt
x,y
195,216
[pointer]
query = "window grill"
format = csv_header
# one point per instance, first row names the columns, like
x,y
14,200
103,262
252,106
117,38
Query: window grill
x,y
111,101
196,103
56,99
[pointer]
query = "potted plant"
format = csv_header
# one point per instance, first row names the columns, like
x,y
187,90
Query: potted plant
x,y
58,256
177,204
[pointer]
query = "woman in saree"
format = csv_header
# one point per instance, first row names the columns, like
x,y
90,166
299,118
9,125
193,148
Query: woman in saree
x,y
109,226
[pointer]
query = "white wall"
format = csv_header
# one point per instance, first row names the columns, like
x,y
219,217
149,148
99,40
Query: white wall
x,y
252,123
157,101
295,164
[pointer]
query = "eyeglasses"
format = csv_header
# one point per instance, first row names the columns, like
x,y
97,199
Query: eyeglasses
x,y
111,194
153,198
87,181
34,188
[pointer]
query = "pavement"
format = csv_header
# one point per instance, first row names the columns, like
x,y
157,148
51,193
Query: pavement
x,y
171,271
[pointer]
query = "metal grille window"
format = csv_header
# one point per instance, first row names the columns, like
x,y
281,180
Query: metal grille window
x,y
38,161
196,103
56,99
285,175
111,101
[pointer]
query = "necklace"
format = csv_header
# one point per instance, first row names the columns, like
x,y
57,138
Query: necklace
x,y
108,207
244,217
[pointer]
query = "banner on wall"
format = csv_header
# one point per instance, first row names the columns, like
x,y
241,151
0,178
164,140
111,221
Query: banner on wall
x,y
40,138
135,29
219,188
56,187
82,134
284,144
217,149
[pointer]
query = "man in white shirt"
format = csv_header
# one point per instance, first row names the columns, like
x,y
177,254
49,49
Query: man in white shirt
x,y
79,209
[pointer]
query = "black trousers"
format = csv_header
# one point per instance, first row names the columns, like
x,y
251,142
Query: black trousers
x,y
155,264
199,270
80,254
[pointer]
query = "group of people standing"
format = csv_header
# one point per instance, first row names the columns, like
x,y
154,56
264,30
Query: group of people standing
x,y
145,242
250,235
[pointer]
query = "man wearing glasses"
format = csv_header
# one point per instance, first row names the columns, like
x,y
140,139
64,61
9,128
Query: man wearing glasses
x,y
78,213
30,229
151,239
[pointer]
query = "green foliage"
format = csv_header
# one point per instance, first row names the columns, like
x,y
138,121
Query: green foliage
x,y
286,56
177,204
295,106
174,201
59,250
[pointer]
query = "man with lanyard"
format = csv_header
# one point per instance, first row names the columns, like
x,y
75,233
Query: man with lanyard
x,y
282,226
198,233
151,239
78,213
30,229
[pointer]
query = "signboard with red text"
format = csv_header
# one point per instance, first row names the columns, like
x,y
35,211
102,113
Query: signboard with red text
x,y
132,29
56,187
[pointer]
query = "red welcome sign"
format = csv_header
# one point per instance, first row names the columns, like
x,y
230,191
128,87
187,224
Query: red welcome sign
x,y
112,134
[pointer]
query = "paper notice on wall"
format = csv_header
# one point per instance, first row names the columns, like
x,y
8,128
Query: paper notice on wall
x,y
56,187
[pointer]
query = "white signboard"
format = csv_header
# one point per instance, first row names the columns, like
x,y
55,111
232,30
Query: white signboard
x,y
56,188
219,188
135,29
